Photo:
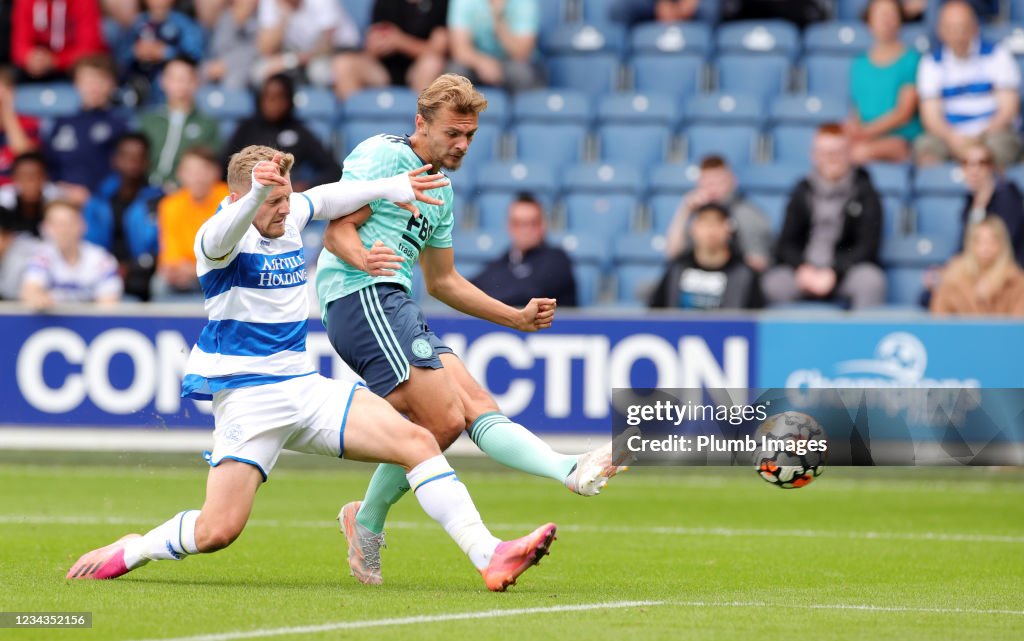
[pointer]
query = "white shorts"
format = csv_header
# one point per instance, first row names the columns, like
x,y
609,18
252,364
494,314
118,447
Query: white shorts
x,y
303,414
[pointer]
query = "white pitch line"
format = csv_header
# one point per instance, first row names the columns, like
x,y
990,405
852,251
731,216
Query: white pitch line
x,y
436,618
948,537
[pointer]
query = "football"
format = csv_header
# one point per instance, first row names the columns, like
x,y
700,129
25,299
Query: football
x,y
785,456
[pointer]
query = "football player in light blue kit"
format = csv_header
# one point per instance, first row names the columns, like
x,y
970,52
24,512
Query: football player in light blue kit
x,y
377,328
251,361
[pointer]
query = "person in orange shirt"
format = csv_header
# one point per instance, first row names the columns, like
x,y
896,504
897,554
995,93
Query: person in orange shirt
x,y
180,215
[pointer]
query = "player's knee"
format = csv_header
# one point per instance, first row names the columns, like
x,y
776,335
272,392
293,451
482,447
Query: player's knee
x,y
217,536
422,444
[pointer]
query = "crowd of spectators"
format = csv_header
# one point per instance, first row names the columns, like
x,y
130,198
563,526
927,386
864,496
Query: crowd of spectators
x,y
139,165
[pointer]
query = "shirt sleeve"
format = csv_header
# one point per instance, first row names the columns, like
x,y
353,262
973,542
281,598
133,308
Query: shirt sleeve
x,y
523,17
929,79
37,270
110,283
1005,72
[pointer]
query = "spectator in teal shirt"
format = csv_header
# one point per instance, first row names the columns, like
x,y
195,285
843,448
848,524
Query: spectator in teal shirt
x,y
494,42
884,120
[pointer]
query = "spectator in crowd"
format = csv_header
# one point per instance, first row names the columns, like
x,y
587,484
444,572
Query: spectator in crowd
x,y
48,37
530,268
884,121
22,201
828,248
968,90
66,268
182,213
300,37
631,12
176,126
984,279
80,146
494,42
121,215
710,274
158,35
716,183
991,193
276,125
233,51
18,134
799,12
407,44
16,250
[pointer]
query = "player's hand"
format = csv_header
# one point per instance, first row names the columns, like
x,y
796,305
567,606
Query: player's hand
x,y
538,314
422,182
381,260
268,173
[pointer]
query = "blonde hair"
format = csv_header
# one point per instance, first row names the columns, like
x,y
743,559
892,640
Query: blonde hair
x,y
966,265
242,162
453,91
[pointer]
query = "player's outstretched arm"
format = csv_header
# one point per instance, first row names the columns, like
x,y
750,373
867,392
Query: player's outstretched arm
x,y
222,232
339,199
449,286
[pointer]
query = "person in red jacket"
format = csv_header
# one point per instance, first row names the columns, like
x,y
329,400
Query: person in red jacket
x,y
49,36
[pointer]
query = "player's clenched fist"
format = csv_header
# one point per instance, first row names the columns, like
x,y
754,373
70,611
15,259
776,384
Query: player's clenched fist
x,y
268,174
538,314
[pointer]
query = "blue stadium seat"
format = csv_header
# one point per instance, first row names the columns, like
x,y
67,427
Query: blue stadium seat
x,y
808,110
770,179
595,74
361,11
313,240
726,108
598,13
890,179
765,75
479,246
774,208
486,143
584,39
663,209
1017,10
759,37
674,179
639,109
636,283
641,146
1010,35
537,178
315,103
585,248
640,249
1016,174
356,131
939,217
223,103
552,16
50,100
678,76
603,178
492,208
388,103
837,38
552,106
917,36
463,181
323,130
673,39
556,144
791,144
588,284
607,215
498,109
850,9
916,251
736,143
941,180
829,76
904,285
895,223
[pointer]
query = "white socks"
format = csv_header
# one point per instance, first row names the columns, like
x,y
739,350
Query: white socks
x,y
175,540
446,500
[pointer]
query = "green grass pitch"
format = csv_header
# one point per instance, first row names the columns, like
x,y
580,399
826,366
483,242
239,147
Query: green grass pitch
x,y
663,554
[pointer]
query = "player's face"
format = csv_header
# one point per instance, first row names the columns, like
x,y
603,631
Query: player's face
x,y
525,226
832,157
270,217
448,137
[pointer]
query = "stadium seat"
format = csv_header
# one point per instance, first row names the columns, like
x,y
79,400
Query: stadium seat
x,y
673,179
770,179
315,103
850,9
498,109
663,209
313,240
836,38
537,178
808,110
463,180
585,248
1017,10
556,144
1010,35
737,143
1016,174
598,13
917,36
598,178
607,215
774,208
904,285
479,246
492,208
759,37
584,39
641,146
939,217
50,100
678,76
588,284
552,106
223,103
356,131
639,109
552,16
762,75
916,251
640,249
829,76
388,103
486,143
595,74
726,109
636,283
895,223
672,39
890,179
791,144
359,10
940,180
323,130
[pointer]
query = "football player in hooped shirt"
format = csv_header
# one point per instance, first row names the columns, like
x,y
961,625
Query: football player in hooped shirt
x,y
251,361
379,330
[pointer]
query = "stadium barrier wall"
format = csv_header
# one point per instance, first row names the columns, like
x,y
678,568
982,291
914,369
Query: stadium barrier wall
x,y
123,370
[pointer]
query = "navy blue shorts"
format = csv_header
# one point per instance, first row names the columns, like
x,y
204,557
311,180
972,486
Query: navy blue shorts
x,y
379,331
